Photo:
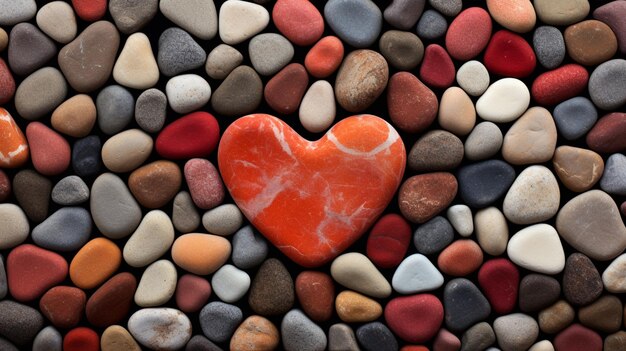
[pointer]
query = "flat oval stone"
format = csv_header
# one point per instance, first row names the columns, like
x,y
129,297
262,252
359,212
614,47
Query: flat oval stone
x,y
464,304
272,290
403,50
40,93
75,117
223,220
605,136
578,169
456,112
160,328
416,274
484,141
117,336
353,307
413,112
204,182
353,91
151,239
157,284
317,109
126,150
130,16
316,293
432,25
298,20
423,196
269,53
416,318
239,94
468,34
516,15
509,55
556,317
255,333
473,77
68,229
14,227
113,209
582,283
611,14
192,293
607,84
433,236
94,263
590,42
63,306
112,301
87,61
222,60
29,49
575,117
460,258
436,150
460,216
20,323
404,14
535,185
516,331
358,23
115,105
549,46
239,21
537,248
32,192
561,12
31,271
300,333
578,338
604,315
605,234
200,254
155,184
48,339
230,284
531,139
388,241
612,180
50,152
198,17
285,90
613,277
324,57
136,66
563,83
17,11
504,101
483,183
249,248
437,69
355,271
499,279
492,231
539,292
178,52
219,320
187,93
376,336
150,110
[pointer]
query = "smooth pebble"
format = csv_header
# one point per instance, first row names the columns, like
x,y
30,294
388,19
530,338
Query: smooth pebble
x,y
537,248
504,101
115,106
223,220
160,328
152,238
187,92
230,284
157,284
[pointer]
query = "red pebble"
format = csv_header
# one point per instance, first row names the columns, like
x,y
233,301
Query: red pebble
x,y
578,338
49,151
7,83
324,57
460,258
607,135
31,271
81,339
316,294
111,302
437,69
388,241
415,318
285,90
204,182
192,293
412,105
63,306
553,87
298,20
499,280
193,135
90,10
446,341
5,186
509,55
468,34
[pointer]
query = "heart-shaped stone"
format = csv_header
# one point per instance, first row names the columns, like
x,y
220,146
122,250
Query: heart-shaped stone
x,y
312,199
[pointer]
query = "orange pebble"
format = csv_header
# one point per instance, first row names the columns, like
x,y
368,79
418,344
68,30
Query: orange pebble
x,y
13,145
94,263
324,57
461,258
200,254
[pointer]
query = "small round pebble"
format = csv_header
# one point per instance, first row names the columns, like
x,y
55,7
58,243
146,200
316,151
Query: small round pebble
x,y
200,254
178,52
20,323
249,248
136,66
50,153
185,216
535,185
157,284
403,50
32,192
57,20
40,93
355,271
537,248
150,110
582,283
464,304
516,332
152,238
607,84
222,60
14,227
460,258
75,117
86,156
424,196
317,109
460,216
613,180
456,112
613,276
575,117
239,94
538,292
432,25
94,263
48,339
504,101
239,21
113,209
29,49
115,106
117,336
112,301
300,333
353,307
556,317
375,336
187,93
269,53
272,290
192,293
437,150
130,16
416,274
324,57
483,183
230,283
433,236
358,23
219,320
255,333
549,46
316,294
341,337
473,77
492,231
43,268
204,182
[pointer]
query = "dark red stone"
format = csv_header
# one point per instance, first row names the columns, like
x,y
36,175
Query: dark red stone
x,y
509,55
578,338
81,339
5,186
192,293
607,136
193,135
316,293
112,301
31,271
285,90
415,318
412,105
388,241
499,281
437,69
553,87
63,306
7,83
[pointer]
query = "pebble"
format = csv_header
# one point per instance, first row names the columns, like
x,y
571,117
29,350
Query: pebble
x,y
531,139
196,17
150,110
300,333
607,84
437,150
155,184
222,60
473,77
561,12
468,34
549,46
437,69
7,83
160,328
456,112
446,341
578,338
48,339
269,53
403,14
284,92
582,283
3,280
578,169
484,141
20,323
375,336
75,117
63,306
94,263
317,109
4,40
219,320
432,25
255,333
535,185
605,234
90,10
538,292
403,50
537,248
606,134
613,276
357,22
187,92
388,241
516,332
113,209
239,94
341,338
611,13
412,112
193,135
81,338
112,301
464,304
516,15
447,7
416,274
612,180
87,61
32,192
200,343
178,52
355,93
423,196
68,229
355,271
130,16
230,284
86,156
272,290
509,54
200,254
204,182
460,216
157,284
499,280
590,42
50,153
353,307
504,101
115,107
604,315
40,93
416,318
126,151
615,342
433,236
299,21
16,11
240,21
316,293
5,187
249,248
223,220
324,58
152,238
460,258
14,227
117,336
558,85
556,317
478,337
31,271
575,117
29,49
192,293
483,183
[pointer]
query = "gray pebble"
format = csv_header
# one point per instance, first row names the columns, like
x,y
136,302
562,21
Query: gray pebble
x,y
132,15
4,287
607,84
70,190
432,25
269,52
29,49
40,93
575,117
341,338
433,236
113,209
403,50
403,14
549,46
249,248
5,345
464,304
478,337
115,106
151,110
178,52
516,332
447,7
16,11
376,336
219,320
239,94
222,60
48,339
357,22
200,343
19,323
614,177
484,141
67,229
185,217
299,333
222,220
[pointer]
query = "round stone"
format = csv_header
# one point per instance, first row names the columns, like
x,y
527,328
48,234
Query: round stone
x,y
403,50
269,53
355,271
160,328
549,46
230,284
130,16
607,84
150,110
484,141
516,332
358,23
492,231
219,320
536,185
222,60
361,79
436,150
187,93
300,333
113,209
127,150
151,239
178,52
249,248
200,254
473,77
68,229
432,25
115,106
14,227
433,236
40,93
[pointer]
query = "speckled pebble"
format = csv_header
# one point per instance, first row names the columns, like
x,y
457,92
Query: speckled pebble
x,y
249,248
613,179
115,106
151,110
69,191
219,320
549,46
299,333
223,220
432,25
68,229
269,52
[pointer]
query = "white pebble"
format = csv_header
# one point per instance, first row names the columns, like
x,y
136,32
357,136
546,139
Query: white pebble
x,y
160,328
187,92
230,283
537,248
157,284
460,216
504,101
317,109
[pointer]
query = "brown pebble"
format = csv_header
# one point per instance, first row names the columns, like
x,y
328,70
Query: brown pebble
x,y
578,169
316,292
32,192
423,196
75,117
590,42
403,50
556,317
156,183
285,90
412,105
615,342
112,301
353,307
361,79
456,112
538,291
436,150
255,333
239,94
63,306
272,290
582,283
604,315
117,338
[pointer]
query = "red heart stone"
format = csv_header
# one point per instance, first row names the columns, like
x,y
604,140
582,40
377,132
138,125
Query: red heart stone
x,y
311,199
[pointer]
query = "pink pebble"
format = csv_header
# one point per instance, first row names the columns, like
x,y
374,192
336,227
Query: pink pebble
x,y
192,292
204,182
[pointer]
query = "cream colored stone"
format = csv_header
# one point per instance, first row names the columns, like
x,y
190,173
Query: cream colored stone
x,y
614,276
532,139
127,150
317,109
57,20
537,248
561,12
241,20
355,271
456,112
492,231
151,239
136,66
157,284
534,196
504,101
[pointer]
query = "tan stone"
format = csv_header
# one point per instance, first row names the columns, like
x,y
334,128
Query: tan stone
x,y
561,12
590,42
75,117
532,139
361,79
116,338
4,39
136,66
556,317
516,15
456,112
255,334
127,150
156,183
578,169
353,307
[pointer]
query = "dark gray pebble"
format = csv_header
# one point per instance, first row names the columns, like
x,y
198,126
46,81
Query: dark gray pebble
x,y
607,84
178,52
403,50
538,291
433,236
48,339
67,229
356,22
70,190
403,14
219,320
239,94
447,7
150,110
483,183
375,336
115,106
582,283
200,343
29,49
86,160
464,304
575,117
19,323
299,333
549,46
32,192
432,25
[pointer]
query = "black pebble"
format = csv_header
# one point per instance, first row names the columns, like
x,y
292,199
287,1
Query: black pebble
x,y
483,183
86,156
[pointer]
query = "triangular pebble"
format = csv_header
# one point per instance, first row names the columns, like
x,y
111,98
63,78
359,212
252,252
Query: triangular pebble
x,y
31,271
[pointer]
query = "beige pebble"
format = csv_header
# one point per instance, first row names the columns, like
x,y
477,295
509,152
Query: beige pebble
x,y
57,20
136,66
355,271
75,117
614,276
151,239
456,112
117,338
531,139
4,39
353,307
157,284
578,169
561,12
492,231
534,196
127,150
516,15
317,109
